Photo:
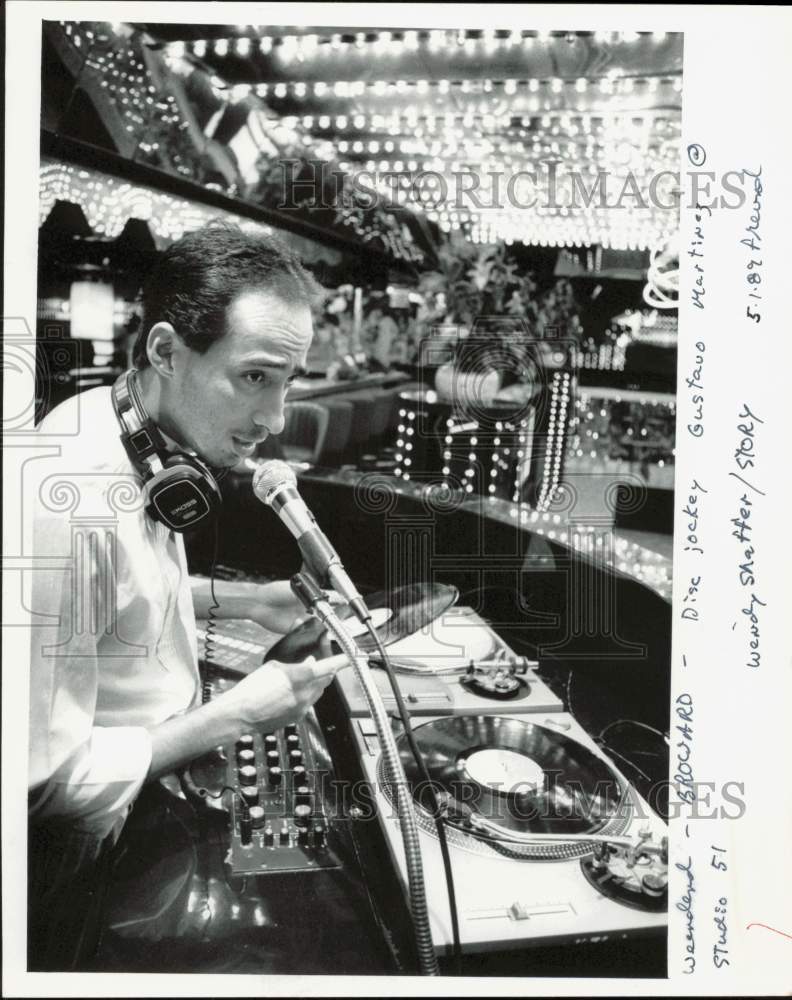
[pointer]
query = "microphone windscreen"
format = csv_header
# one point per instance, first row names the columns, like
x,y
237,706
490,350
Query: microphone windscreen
x,y
271,474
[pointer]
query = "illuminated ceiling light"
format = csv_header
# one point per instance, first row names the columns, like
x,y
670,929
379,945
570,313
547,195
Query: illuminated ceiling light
x,y
335,42
242,46
280,89
556,85
299,89
176,50
360,39
341,88
199,48
359,121
411,40
422,86
341,122
287,49
319,88
444,86
533,85
509,87
308,121
581,85
221,46
324,121
602,36
658,36
628,36
437,40
543,36
678,84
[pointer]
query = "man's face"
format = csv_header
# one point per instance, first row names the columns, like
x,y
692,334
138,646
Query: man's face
x,y
224,402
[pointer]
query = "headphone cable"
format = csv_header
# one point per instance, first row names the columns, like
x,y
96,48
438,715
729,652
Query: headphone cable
x,y
211,616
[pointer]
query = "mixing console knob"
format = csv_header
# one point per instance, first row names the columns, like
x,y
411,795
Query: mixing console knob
x,y
291,729
271,742
300,776
284,834
319,836
275,776
292,742
246,757
250,795
302,836
245,742
245,827
295,757
302,795
257,817
247,775
302,817
273,758
269,836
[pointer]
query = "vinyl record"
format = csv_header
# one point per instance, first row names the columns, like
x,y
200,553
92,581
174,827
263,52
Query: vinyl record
x,y
406,611
520,776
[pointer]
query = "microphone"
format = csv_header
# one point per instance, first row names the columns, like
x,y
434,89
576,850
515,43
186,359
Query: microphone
x,y
275,484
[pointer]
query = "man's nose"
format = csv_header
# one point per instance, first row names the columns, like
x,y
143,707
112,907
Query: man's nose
x,y
271,418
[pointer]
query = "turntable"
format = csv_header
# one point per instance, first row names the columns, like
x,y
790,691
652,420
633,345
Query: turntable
x,y
433,668
549,844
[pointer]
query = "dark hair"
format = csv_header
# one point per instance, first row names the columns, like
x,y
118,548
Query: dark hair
x,y
195,280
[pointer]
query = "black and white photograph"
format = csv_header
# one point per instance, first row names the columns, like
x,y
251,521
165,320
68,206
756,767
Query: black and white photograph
x,y
392,535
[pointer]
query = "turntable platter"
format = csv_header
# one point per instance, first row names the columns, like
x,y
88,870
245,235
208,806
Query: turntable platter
x,y
520,776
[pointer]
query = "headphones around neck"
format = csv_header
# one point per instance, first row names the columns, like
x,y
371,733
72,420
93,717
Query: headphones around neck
x,y
181,492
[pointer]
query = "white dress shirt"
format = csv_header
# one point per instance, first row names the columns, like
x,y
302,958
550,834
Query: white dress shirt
x,y
113,629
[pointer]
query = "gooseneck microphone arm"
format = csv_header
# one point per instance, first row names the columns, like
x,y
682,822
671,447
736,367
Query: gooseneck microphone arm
x,y
275,484
314,602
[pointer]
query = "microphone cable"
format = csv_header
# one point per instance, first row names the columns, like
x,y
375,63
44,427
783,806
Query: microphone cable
x,y
439,822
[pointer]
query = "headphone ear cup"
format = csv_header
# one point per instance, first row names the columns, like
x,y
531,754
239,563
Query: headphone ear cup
x,y
183,494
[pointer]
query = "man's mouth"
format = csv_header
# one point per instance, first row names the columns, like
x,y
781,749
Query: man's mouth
x,y
246,446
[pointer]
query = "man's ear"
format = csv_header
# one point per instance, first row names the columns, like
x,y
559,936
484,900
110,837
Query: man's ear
x,y
160,344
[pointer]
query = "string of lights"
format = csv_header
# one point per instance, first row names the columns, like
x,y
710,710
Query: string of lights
x,y
472,42
615,85
109,202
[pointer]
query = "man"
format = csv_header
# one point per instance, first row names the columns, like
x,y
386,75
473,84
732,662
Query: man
x,y
114,679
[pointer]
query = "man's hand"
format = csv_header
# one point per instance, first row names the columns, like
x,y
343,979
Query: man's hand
x,y
279,693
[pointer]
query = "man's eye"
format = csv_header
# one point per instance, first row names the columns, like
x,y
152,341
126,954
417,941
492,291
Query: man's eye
x,y
254,378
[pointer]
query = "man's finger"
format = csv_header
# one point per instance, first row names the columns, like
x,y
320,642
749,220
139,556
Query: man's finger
x,y
330,665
